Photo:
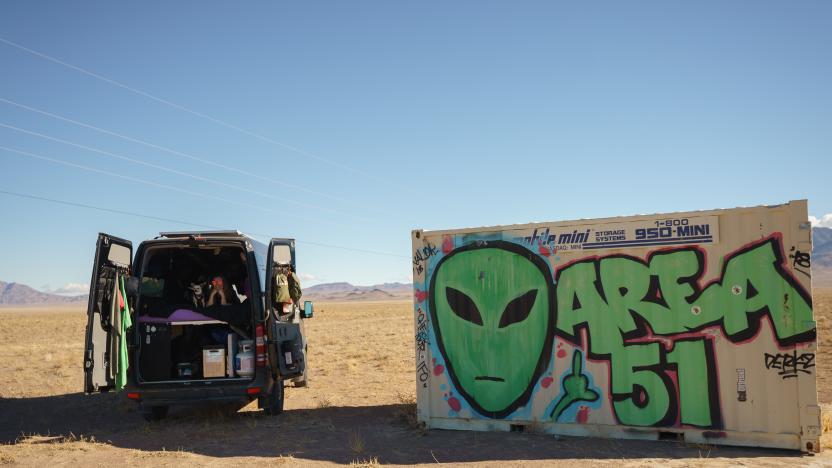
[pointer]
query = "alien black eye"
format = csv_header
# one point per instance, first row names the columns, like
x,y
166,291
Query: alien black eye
x,y
518,309
463,306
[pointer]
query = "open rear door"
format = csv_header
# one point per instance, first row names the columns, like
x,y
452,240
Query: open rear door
x,y
281,255
112,255
285,334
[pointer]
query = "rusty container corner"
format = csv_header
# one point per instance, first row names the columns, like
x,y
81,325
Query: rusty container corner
x,y
694,326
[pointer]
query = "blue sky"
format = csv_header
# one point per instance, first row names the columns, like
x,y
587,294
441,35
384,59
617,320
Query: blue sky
x,y
401,115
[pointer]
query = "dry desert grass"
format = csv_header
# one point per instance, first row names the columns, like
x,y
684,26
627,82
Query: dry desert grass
x,y
359,408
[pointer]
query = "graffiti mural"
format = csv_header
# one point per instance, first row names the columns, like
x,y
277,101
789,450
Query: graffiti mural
x,y
516,330
575,388
624,302
496,338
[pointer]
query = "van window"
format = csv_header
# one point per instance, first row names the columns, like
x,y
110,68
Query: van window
x,y
282,254
119,255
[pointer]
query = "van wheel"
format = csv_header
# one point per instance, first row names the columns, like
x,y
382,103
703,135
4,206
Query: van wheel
x,y
274,401
154,413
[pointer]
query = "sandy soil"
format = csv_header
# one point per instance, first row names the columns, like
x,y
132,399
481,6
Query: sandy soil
x,y
358,409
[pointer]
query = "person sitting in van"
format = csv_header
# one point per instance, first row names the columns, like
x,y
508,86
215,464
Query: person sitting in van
x,y
221,293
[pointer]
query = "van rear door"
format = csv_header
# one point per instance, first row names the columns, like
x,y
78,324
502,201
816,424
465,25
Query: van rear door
x,y
112,255
281,255
286,351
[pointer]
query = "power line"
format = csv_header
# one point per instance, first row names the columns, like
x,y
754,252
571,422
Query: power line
x,y
155,184
330,246
193,112
173,171
108,210
176,152
187,223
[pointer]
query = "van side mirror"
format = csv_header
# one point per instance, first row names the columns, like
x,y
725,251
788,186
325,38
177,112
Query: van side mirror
x,y
308,310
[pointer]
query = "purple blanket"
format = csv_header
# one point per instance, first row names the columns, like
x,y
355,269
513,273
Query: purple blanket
x,y
178,315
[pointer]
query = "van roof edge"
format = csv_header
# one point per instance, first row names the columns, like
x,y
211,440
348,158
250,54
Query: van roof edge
x,y
174,234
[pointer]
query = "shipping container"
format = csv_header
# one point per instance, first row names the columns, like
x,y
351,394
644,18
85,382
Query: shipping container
x,y
693,326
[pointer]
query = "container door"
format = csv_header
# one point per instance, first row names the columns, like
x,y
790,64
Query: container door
x,y
112,256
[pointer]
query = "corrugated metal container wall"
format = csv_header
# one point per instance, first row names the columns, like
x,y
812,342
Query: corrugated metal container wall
x,y
696,325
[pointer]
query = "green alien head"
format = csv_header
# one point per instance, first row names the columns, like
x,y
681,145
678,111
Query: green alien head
x,y
491,305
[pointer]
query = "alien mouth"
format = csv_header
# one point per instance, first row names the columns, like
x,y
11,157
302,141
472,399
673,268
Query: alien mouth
x,y
488,377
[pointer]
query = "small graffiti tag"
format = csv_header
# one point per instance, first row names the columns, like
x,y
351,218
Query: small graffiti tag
x,y
421,255
422,371
801,261
741,388
789,365
421,345
421,332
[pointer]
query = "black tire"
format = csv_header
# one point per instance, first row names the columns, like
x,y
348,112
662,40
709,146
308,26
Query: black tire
x,y
274,401
154,413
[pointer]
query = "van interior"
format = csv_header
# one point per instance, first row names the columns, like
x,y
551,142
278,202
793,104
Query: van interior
x,y
194,315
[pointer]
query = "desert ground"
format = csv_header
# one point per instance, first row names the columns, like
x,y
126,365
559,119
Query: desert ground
x,y
359,408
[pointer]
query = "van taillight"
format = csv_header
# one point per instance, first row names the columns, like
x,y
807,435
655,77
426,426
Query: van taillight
x,y
260,346
134,396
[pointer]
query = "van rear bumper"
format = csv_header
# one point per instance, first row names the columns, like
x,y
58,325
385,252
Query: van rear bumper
x,y
200,392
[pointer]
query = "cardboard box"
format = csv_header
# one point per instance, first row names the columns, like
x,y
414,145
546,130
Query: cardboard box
x,y
213,361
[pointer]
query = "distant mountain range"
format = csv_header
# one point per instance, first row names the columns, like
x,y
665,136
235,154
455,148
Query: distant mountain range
x,y
822,245
20,294
348,292
16,293
822,257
